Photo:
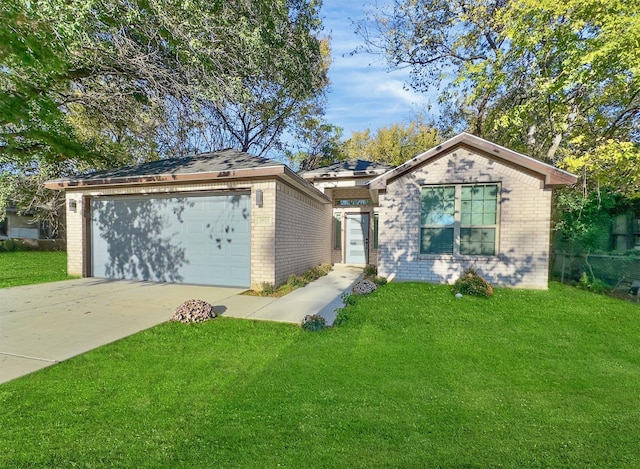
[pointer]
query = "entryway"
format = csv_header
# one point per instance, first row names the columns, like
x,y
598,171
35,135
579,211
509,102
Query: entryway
x,y
357,238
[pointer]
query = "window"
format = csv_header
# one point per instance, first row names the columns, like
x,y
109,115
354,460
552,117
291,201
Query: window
x,y
375,231
352,202
459,220
337,231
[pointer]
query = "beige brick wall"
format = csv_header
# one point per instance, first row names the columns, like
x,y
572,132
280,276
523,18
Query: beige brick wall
x,y
524,231
263,219
299,231
302,233
74,234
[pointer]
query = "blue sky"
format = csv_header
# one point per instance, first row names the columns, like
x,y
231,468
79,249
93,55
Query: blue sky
x,y
363,94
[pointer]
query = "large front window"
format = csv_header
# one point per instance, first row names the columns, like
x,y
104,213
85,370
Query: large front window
x,y
459,220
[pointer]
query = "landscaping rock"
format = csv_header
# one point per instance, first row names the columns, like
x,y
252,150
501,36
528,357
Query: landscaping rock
x,y
364,287
194,311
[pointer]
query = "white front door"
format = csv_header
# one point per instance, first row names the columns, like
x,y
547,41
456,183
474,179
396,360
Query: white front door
x,y
357,238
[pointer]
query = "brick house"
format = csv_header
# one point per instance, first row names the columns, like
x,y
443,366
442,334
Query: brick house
x,y
467,203
229,218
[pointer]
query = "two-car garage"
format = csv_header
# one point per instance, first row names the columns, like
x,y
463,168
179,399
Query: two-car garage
x,y
187,239
225,218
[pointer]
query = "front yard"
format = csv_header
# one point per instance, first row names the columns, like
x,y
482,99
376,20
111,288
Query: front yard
x,y
414,378
27,267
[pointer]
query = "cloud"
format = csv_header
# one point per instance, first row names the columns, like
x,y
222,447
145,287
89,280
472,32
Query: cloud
x,y
363,92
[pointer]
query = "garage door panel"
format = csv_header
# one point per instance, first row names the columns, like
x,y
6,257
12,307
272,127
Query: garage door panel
x,y
203,240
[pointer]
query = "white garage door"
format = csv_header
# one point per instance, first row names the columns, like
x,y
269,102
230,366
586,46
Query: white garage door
x,y
194,239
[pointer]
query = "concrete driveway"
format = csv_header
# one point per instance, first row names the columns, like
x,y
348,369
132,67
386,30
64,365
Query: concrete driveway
x,y
47,323
44,324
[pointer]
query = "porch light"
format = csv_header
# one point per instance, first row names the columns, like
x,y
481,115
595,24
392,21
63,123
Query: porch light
x,y
73,205
259,198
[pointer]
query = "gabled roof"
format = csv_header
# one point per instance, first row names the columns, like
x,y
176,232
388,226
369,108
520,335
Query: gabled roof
x,y
204,167
552,175
348,169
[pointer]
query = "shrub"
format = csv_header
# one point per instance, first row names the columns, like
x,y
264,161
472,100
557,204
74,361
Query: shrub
x,y
349,299
13,245
342,316
364,287
379,281
267,288
316,272
371,270
194,311
295,281
595,285
313,322
471,283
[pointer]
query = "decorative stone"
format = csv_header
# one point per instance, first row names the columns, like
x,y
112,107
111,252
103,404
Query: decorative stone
x,y
194,311
364,287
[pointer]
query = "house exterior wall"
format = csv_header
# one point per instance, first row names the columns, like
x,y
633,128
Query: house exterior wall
x,y
524,232
75,243
264,245
302,232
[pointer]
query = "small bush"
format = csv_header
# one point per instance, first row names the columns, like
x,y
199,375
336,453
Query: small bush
x,y
267,288
379,281
371,270
295,281
313,322
595,285
13,245
342,316
349,299
364,287
471,283
194,311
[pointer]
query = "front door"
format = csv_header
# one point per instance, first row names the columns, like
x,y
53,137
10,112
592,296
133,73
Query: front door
x,y
357,230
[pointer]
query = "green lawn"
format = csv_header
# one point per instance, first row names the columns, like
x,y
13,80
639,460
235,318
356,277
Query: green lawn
x,y
27,267
415,378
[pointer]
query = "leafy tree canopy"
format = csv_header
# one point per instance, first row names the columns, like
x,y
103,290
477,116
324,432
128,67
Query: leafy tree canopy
x,y
89,84
556,80
392,145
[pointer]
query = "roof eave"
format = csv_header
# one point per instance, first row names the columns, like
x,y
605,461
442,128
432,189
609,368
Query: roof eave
x,y
277,171
61,184
343,175
552,175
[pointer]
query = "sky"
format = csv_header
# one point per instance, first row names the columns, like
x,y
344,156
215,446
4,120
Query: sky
x,y
363,94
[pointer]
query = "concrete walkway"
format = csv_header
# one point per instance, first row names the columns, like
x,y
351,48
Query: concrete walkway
x,y
322,297
47,323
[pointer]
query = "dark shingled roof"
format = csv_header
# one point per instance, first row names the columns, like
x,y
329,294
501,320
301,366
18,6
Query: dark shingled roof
x,y
202,163
352,167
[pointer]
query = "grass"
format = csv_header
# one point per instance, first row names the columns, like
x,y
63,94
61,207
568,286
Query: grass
x,y
27,267
414,378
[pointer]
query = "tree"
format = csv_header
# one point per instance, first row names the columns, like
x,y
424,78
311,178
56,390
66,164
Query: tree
x,y
319,144
556,80
101,83
392,145
551,79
